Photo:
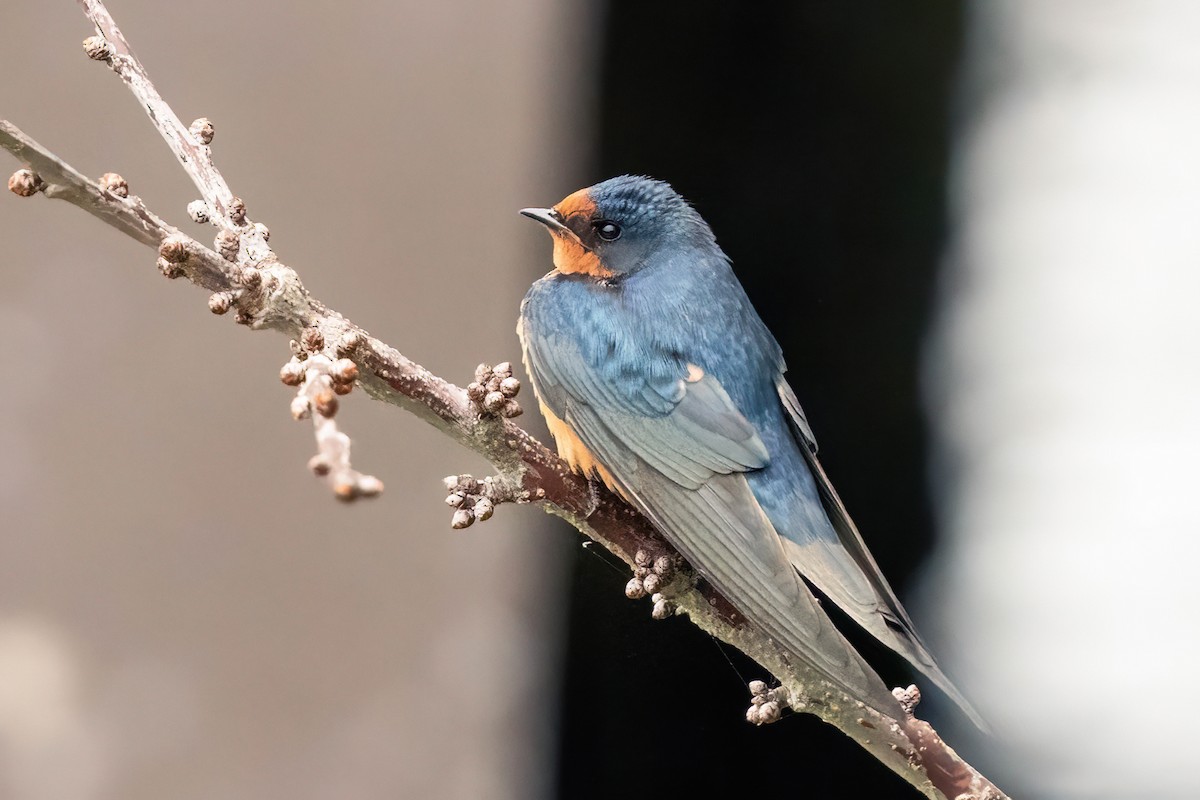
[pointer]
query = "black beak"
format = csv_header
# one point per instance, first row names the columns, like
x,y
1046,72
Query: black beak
x,y
551,219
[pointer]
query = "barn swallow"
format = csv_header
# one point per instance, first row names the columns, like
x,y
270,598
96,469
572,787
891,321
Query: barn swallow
x,y
657,377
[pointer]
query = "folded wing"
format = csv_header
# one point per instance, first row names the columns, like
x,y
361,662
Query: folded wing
x,y
679,449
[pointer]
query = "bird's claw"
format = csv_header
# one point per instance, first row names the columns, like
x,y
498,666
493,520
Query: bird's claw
x,y
493,391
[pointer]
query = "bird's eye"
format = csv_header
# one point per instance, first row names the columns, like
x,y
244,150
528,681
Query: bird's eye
x,y
607,230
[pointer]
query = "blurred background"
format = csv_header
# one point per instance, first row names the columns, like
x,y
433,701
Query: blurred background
x,y
970,227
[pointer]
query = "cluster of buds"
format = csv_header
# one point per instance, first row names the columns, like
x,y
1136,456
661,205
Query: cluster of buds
x,y
650,574
471,498
766,705
493,390
318,391
908,698
320,380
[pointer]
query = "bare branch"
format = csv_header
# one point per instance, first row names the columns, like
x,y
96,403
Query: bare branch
x,y
245,276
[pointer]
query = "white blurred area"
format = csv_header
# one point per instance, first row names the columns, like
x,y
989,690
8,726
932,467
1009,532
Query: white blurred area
x,y
1065,387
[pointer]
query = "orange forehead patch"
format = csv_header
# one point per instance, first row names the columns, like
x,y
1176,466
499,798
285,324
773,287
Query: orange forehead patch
x,y
577,203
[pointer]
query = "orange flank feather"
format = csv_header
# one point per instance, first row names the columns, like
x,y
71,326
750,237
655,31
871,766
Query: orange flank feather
x,y
575,452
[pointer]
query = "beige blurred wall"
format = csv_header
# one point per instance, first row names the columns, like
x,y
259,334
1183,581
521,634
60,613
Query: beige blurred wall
x,y
184,611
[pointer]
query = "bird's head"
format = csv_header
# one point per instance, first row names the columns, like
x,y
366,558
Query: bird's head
x,y
618,226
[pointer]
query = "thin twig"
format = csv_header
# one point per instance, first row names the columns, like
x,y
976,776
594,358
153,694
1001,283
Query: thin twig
x,y
268,294
195,156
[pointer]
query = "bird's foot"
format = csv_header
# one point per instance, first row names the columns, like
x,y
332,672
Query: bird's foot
x,y
593,496
766,705
475,499
908,698
493,391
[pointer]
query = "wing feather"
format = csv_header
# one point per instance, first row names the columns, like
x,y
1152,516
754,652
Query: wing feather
x,y
683,464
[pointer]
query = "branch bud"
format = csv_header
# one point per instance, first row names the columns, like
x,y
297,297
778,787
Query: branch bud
x,y
221,302
300,407
313,340
228,245
98,48
199,211
768,712
663,608
369,486
345,371
173,249
326,403
484,508
114,183
250,277
345,490
169,269
348,343
25,182
237,211
202,129
292,373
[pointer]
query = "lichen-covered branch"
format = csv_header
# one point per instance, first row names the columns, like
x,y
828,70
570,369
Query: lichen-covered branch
x,y
331,354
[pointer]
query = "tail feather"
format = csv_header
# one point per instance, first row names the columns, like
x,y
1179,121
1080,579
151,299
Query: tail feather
x,y
846,572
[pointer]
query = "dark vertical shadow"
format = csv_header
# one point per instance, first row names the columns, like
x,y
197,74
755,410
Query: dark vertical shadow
x,y
813,138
